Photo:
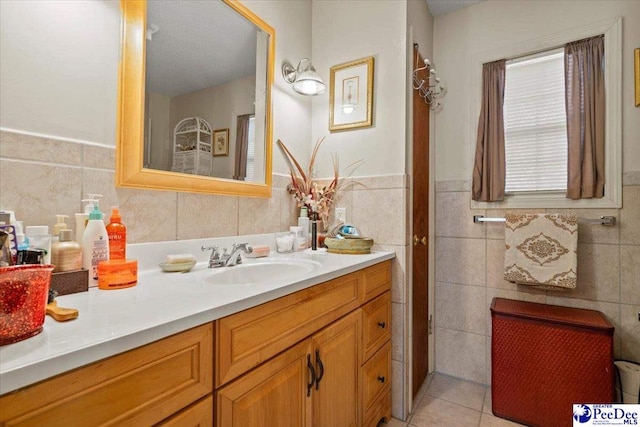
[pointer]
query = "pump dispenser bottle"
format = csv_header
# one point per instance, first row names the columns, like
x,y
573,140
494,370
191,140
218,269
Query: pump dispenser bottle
x,y
61,224
117,236
95,245
83,218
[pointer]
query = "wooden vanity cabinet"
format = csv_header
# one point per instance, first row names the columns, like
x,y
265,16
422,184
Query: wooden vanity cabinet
x,y
140,387
300,360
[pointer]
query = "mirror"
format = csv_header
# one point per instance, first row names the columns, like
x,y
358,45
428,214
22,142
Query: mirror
x,y
195,98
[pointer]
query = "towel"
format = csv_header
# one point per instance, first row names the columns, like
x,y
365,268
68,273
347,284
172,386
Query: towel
x,y
541,250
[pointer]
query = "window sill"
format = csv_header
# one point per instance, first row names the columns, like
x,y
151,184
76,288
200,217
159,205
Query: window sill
x,y
548,200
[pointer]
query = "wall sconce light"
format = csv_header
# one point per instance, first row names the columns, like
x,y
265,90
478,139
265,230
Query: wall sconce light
x,y
303,78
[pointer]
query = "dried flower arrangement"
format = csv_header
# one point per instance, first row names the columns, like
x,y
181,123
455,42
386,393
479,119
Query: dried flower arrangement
x,y
309,192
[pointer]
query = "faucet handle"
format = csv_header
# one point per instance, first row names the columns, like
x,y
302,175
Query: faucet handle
x,y
244,245
214,251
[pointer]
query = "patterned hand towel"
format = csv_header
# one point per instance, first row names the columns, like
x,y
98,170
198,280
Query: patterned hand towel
x,y
541,250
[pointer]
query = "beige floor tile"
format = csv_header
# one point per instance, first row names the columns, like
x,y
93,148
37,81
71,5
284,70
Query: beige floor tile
x,y
434,412
486,407
457,391
489,420
394,422
423,390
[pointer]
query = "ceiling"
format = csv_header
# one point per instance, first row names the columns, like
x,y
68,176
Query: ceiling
x,y
442,7
198,44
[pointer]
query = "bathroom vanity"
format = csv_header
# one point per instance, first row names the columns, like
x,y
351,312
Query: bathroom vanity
x,y
311,351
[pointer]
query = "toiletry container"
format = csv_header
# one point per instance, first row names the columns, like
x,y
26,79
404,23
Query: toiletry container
x,y
117,274
39,238
66,254
546,358
95,245
83,218
117,233
61,224
303,221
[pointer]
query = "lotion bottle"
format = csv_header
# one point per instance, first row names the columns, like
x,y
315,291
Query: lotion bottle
x,y
66,254
61,224
303,221
117,233
83,218
95,245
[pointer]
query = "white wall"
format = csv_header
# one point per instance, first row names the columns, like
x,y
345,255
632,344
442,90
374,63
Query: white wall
x,y
67,84
346,31
292,112
493,23
59,68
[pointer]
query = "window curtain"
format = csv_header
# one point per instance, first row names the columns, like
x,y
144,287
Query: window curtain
x,y
489,167
242,145
585,103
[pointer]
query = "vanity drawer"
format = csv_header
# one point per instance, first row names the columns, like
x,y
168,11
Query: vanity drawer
x,y
376,325
197,415
248,338
376,376
140,387
381,409
377,279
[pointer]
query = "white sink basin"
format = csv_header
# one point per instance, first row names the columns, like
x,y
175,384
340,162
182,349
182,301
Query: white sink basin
x,y
261,272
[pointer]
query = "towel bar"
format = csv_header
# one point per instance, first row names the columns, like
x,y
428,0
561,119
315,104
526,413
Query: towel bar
x,y
603,220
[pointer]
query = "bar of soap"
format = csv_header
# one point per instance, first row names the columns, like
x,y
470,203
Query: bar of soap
x,y
259,251
179,258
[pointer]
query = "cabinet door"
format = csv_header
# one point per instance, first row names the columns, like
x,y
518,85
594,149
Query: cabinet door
x,y
337,350
277,393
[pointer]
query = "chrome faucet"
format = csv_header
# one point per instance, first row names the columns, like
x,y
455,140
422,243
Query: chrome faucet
x,y
234,257
214,260
227,260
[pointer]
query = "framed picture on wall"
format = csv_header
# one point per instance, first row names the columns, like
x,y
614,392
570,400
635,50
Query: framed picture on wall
x,y
221,142
351,95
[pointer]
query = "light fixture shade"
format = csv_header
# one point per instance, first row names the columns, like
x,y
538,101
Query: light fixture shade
x,y
309,83
303,78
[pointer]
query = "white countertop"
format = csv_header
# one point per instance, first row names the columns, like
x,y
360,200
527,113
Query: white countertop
x,y
160,305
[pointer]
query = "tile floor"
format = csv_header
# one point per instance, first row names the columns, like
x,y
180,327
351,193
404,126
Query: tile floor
x,y
446,401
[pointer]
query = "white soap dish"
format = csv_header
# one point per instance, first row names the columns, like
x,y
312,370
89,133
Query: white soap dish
x,y
177,267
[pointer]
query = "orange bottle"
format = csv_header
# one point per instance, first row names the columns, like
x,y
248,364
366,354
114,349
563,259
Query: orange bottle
x,y
117,233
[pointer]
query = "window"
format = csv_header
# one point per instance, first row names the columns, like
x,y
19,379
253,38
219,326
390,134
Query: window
x,y
251,149
547,197
535,128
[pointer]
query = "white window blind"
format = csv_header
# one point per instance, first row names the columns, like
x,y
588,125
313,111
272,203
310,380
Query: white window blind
x,y
251,149
535,123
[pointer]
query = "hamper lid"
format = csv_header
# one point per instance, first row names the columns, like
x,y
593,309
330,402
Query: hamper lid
x,y
570,316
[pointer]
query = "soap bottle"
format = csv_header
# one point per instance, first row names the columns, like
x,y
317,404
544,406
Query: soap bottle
x,y
66,254
95,244
303,221
83,218
61,224
117,233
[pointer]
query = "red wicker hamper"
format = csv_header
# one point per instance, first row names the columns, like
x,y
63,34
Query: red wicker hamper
x,y
545,358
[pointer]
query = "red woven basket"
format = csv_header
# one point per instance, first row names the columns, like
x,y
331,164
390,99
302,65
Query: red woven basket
x,y
546,358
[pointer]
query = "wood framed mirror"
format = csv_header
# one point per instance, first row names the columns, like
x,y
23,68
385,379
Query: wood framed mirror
x,y
194,99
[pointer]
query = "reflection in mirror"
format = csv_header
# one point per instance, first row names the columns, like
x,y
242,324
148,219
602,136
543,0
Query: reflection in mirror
x,y
204,63
195,89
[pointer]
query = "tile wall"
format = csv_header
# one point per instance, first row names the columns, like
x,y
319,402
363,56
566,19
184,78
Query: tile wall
x,y
469,268
41,177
